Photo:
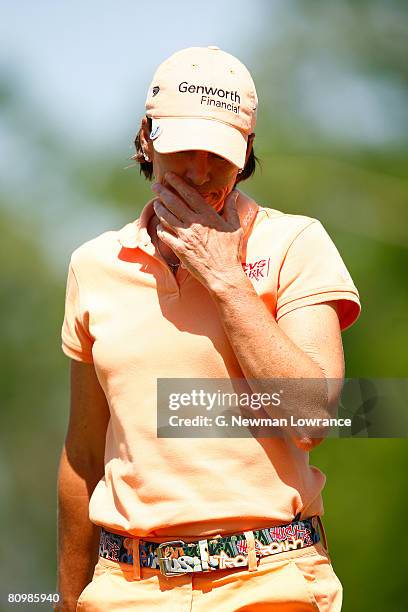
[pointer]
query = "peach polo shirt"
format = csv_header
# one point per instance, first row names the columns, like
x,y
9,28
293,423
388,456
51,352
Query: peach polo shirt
x,y
126,312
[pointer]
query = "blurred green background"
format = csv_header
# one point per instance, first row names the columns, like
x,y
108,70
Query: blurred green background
x,y
332,137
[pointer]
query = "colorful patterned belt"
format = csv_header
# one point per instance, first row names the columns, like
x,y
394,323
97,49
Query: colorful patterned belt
x,y
176,557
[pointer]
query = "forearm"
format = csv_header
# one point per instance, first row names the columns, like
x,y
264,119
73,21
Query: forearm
x,y
265,352
261,347
77,536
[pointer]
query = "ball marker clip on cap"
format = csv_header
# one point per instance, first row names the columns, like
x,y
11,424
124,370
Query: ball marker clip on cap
x,y
202,100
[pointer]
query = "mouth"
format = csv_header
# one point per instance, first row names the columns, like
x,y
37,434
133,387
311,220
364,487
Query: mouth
x,y
214,198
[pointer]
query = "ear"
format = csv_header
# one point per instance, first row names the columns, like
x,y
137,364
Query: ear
x,y
249,146
145,141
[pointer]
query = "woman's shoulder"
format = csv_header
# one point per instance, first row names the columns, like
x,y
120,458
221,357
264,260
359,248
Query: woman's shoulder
x,y
282,216
284,223
97,249
277,220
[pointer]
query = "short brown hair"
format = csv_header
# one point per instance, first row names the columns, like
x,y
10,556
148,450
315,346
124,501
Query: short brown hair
x,y
146,167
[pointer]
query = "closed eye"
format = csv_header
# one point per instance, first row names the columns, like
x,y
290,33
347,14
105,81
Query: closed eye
x,y
218,158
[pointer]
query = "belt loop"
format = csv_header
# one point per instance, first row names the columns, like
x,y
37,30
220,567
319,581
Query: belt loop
x,y
203,548
136,559
319,520
252,560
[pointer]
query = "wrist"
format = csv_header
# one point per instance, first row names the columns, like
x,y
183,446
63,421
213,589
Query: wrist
x,y
236,282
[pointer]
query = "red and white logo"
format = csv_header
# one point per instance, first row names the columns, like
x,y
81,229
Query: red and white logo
x,y
257,269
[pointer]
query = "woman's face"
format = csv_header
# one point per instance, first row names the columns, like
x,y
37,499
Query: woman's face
x,y
211,175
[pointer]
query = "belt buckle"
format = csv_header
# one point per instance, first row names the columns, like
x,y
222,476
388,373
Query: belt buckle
x,y
162,560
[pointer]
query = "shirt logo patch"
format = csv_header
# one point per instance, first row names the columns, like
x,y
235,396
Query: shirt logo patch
x,y
257,269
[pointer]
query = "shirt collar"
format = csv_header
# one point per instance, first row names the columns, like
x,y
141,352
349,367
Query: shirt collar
x,y
135,234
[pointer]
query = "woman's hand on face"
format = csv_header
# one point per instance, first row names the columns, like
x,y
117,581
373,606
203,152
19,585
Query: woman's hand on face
x,y
208,244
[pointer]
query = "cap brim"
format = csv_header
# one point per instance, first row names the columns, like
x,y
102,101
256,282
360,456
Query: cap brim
x,y
181,134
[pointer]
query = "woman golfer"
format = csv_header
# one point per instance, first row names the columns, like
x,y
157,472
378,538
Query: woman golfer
x,y
205,284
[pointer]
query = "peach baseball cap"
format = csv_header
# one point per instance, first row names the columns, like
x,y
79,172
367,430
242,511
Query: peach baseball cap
x,y
202,98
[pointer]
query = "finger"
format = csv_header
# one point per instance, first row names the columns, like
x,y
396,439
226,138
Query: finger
x,y
173,203
171,242
166,216
195,201
168,238
230,212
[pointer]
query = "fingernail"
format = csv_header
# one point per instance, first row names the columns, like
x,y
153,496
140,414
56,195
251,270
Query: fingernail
x,y
156,186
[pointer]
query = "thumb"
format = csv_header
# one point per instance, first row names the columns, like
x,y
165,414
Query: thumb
x,y
230,212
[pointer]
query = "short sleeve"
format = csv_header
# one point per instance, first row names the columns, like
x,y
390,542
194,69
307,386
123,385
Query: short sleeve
x,y
76,340
313,272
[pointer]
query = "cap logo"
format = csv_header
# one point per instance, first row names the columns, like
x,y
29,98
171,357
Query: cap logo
x,y
155,90
230,99
156,131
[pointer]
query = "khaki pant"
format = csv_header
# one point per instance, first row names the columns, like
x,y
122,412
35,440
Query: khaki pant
x,y
297,580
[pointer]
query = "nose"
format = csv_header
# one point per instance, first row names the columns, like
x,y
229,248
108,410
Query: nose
x,y
198,168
